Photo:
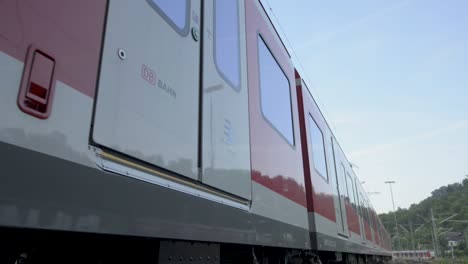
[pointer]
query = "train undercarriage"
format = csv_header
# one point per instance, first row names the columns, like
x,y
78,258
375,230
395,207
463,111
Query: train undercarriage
x,y
24,246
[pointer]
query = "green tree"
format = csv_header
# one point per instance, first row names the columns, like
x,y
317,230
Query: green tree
x,y
444,202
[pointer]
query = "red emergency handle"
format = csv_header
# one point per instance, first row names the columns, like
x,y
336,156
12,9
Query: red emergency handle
x,y
38,84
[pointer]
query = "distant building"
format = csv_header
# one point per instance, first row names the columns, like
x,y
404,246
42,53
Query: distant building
x,y
453,243
454,238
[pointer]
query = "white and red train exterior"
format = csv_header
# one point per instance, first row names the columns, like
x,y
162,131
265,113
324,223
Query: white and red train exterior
x,y
171,121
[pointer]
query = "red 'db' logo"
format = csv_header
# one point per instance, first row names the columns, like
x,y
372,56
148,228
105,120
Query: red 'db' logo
x,y
148,74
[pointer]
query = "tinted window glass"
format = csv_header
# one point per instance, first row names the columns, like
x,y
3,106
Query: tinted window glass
x,y
344,185
351,189
356,192
368,213
274,92
361,206
318,151
227,52
175,10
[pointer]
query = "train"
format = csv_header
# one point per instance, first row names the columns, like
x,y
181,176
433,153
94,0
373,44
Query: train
x,y
158,131
414,255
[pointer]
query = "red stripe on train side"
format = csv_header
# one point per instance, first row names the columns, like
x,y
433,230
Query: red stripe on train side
x,y
69,31
353,218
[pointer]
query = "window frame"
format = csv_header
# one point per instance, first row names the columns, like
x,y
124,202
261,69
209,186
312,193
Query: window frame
x,y
369,220
181,31
363,208
324,151
353,202
358,202
293,143
236,88
346,181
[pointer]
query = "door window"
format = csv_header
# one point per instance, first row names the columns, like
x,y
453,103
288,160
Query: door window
x,y
318,149
275,93
175,12
227,50
352,194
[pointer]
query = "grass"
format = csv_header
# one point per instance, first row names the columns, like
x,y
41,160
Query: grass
x,y
450,261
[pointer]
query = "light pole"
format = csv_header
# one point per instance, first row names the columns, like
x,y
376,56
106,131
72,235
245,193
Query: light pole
x,y
394,212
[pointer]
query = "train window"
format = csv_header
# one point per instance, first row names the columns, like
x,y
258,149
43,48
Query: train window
x,y
342,182
344,185
356,191
369,219
358,202
318,150
175,12
227,43
351,187
275,94
364,212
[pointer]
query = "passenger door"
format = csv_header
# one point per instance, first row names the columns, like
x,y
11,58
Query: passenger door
x,y
361,213
158,64
340,193
225,128
148,96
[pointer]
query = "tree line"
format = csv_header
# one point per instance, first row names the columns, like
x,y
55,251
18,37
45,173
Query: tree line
x,y
449,203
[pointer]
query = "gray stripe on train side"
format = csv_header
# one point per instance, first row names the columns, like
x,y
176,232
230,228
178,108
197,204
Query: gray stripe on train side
x,y
322,242
328,227
324,237
44,192
64,134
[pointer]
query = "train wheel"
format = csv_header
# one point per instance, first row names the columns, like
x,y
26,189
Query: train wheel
x,y
351,259
360,260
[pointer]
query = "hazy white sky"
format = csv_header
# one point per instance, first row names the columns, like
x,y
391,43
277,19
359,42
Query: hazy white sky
x,y
392,78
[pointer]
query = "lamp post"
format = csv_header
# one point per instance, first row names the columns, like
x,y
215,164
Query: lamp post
x,y
394,212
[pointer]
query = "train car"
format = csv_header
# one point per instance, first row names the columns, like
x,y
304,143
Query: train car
x,y
158,131
414,255
340,219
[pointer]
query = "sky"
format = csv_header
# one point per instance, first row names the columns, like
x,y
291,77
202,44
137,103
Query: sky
x,y
392,79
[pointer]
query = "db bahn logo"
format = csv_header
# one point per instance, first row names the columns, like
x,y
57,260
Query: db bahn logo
x,y
150,76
